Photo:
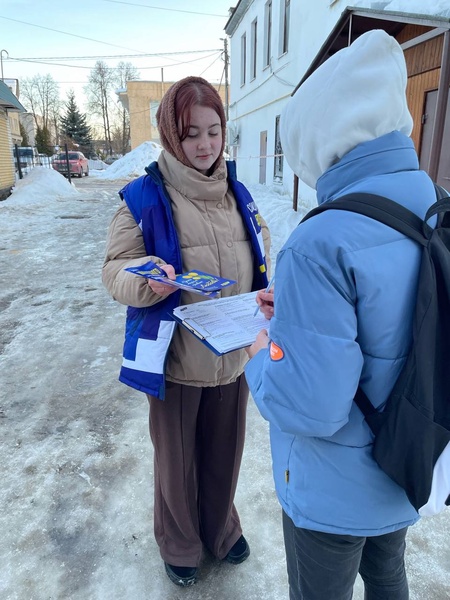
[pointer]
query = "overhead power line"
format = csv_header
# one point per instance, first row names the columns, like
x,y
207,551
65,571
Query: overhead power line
x,y
111,56
209,66
166,66
191,12
71,34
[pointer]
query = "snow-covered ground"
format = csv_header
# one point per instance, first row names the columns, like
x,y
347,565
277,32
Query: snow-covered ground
x,y
76,493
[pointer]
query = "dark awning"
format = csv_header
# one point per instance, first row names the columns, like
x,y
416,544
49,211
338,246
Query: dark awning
x,y
8,100
355,21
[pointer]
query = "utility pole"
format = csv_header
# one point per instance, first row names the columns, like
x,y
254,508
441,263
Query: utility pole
x,y
1,60
227,99
226,58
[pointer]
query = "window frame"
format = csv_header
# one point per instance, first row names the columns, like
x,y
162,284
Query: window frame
x,y
268,26
278,159
285,22
254,49
243,58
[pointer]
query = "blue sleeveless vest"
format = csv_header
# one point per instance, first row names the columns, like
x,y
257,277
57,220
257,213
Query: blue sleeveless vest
x,y
149,330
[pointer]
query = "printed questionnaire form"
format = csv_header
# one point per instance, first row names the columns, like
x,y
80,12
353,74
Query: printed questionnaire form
x,y
225,324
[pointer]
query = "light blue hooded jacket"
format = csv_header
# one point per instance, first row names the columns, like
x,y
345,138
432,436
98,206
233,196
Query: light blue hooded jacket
x,y
345,290
344,298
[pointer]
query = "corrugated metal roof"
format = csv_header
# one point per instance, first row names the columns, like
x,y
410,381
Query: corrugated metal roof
x,y
8,100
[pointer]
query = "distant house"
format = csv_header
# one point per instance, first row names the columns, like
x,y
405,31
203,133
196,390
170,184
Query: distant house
x,y
28,123
141,99
268,60
9,104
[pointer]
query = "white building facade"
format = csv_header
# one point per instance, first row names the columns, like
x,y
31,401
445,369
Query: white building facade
x,y
272,44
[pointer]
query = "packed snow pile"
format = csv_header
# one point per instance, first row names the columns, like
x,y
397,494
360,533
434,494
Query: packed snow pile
x,y
97,164
437,8
40,185
132,164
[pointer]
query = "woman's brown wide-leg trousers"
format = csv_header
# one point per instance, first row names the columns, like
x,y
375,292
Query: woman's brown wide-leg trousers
x,y
198,439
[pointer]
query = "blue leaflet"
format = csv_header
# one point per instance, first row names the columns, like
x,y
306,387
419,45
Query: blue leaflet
x,y
194,281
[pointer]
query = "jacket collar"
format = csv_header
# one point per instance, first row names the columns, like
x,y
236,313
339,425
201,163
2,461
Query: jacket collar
x,y
387,154
189,182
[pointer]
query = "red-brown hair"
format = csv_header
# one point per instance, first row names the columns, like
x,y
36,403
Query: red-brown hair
x,y
196,93
177,105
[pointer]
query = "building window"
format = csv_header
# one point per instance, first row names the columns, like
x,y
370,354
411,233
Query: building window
x,y
278,159
154,105
285,20
254,47
243,58
268,33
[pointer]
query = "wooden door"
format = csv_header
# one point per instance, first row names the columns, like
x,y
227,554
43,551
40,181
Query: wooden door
x,y
428,118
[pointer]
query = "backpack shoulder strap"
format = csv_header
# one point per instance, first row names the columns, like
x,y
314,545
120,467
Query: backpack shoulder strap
x,y
381,209
440,208
393,215
363,403
441,192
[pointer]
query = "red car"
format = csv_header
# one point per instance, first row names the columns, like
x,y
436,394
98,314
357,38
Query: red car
x,y
78,164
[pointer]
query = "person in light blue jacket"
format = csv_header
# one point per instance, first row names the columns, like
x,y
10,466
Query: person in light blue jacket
x,y
344,297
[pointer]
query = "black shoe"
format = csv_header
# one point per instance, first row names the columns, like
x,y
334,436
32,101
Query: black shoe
x,y
239,552
183,576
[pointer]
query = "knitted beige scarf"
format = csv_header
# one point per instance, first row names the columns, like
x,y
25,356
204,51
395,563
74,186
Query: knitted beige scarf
x,y
168,125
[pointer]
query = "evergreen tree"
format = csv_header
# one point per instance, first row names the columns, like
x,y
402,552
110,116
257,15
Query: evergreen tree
x,y
43,141
23,133
74,129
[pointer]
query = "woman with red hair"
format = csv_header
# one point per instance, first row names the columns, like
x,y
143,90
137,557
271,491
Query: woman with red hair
x,y
188,212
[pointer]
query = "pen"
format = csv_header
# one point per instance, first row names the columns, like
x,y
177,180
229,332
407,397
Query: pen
x,y
266,290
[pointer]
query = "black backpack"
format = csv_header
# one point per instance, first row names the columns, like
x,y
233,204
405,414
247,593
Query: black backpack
x,y
412,432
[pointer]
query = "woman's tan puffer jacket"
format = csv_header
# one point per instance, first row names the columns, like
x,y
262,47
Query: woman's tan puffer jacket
x,y
213,239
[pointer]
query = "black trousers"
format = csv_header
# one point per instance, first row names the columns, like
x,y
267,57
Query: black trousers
x,y
324,566
198,439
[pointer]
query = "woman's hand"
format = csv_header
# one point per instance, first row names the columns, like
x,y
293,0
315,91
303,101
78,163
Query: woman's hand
x,y
160,288
265,302
262,341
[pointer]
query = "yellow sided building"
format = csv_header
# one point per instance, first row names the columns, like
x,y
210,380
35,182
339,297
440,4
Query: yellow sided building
x,y
141,99
9,106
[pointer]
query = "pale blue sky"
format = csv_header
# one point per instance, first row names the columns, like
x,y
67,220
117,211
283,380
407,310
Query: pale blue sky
x,y
127,27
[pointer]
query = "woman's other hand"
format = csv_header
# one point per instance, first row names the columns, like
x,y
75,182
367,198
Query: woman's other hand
x,y
160,288
262,341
